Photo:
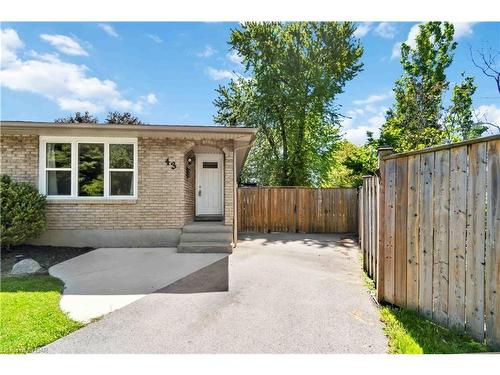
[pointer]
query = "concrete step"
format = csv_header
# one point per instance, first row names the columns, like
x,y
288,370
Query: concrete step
x,y
206,227
206,237
208,247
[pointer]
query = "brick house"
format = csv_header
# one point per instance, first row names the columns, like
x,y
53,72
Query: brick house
x,y
131,185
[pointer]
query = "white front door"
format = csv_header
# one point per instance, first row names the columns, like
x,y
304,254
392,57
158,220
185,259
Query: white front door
x,y
209,184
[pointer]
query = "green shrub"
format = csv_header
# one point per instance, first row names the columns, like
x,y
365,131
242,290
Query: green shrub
x,y
22,212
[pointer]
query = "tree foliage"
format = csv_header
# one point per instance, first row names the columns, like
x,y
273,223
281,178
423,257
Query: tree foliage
x,y
78,118
122,118
114,117
22,212
295,71
350,164
459,122
419,118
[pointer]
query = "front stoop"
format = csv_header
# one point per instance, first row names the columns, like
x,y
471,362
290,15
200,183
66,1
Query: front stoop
x,y
206,237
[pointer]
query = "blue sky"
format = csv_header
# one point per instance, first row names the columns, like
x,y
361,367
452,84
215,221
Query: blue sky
x,y
166,73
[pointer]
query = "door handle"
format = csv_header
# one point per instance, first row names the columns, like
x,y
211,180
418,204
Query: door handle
x,y
199,192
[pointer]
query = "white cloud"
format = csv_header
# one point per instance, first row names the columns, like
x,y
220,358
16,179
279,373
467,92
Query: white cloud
x,y
155,38
221,74
234,57
69,85
10,43
462,29
151,99
489,113
374,99
385,30
108,29
68,104
358,135
207,52
362,29
64,44
378,120
410,40
357,124
356,112
396,51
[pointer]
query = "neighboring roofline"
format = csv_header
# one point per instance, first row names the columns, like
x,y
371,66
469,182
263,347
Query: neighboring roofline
x,y
34,125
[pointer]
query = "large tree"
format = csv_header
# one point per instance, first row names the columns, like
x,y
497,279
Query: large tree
x,y
294,71
419,118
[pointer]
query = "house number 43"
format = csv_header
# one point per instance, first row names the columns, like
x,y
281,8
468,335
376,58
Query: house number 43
x,y
171,163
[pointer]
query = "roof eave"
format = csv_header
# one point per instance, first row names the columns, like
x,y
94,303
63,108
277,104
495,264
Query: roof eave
x,y
176,131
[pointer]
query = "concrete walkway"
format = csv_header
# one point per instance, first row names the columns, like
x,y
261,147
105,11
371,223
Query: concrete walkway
x,y
101,281
287,294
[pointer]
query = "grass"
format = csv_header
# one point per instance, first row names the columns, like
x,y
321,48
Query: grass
x,y
410,333
29,313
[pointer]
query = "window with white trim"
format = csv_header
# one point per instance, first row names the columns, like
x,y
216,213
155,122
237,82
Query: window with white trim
x,y
72,167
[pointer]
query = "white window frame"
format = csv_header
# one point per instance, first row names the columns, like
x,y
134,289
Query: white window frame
x,y
74,141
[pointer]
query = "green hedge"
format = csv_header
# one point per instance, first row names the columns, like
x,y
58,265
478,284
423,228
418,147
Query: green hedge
x,y
22,210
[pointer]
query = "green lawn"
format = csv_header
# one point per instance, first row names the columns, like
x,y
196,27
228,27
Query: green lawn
x,y
409,333
29,313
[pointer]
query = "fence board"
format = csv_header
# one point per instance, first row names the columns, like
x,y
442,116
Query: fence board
x,y
412,233
361,210
458,207
380,280
401,206
376,229
373,232
370,225
492,283
474,253
390,223
426,234
441,229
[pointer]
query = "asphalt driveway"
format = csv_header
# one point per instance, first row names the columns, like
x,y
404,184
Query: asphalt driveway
x,y
287,294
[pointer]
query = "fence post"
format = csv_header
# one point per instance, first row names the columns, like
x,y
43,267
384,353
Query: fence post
x,y
382,152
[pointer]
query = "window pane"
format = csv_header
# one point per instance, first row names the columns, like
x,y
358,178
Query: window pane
x,y
90,169
122,183
58,155
58,182
121,156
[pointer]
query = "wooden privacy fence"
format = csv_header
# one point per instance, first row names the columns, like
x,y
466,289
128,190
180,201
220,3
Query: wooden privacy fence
x,y
438,248
368,224
296,209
